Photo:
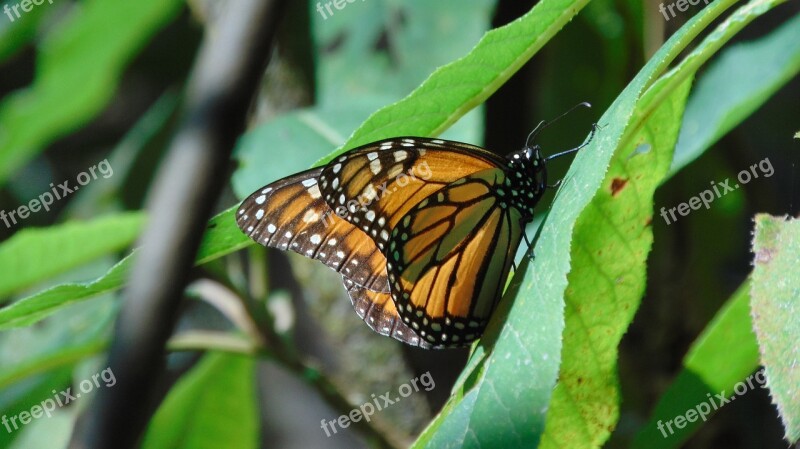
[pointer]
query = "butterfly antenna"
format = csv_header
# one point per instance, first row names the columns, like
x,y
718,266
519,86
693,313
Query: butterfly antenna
x,y
544,124
573,150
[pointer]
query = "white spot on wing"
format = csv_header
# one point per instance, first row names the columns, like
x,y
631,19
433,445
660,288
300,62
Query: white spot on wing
x,y
369,193
375,166
395,171
309,182
310,215
314,191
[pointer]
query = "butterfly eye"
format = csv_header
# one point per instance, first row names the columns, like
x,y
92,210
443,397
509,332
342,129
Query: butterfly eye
x,y
529,153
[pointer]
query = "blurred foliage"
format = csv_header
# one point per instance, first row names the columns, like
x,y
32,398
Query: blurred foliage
x,y
87,81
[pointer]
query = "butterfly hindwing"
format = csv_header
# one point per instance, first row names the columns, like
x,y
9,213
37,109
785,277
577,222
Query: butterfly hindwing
x,y
290,214
378,311
373,186
449,258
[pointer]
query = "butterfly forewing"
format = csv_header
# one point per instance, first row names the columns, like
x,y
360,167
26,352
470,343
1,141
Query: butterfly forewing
x,y
372,187
450,256
290,214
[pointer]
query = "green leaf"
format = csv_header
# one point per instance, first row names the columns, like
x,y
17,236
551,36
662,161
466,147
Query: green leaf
x,y
775,303
36,307
613,238
15,34
720,102
212,406
721,357
611,241
36,254
78,68
221,237
51,352
66,356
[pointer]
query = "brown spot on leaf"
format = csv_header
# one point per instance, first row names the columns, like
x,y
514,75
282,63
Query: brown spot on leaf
x,y
618,184
764,256
649,221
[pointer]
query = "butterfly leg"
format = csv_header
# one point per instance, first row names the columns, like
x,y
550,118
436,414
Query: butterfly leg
x,y
528,247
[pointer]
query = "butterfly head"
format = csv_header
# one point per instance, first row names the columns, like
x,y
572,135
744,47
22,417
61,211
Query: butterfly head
x,y
527,177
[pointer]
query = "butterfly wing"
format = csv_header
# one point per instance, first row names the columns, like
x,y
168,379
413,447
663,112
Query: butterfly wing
x,y
373,186
449,258
378,311
290,214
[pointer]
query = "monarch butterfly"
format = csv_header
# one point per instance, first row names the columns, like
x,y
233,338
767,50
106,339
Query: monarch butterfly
x,y
423,231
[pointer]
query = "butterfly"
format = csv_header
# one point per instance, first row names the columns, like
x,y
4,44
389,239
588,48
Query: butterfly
x,y
423,231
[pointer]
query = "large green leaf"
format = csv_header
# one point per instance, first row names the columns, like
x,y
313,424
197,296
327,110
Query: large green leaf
x,y
36,254
775,304
78,67
611,242
212,406
721,357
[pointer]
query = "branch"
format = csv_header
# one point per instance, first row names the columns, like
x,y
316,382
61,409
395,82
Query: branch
x,y
226,75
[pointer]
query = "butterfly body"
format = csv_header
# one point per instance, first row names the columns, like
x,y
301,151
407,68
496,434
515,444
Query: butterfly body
x,y
423,231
